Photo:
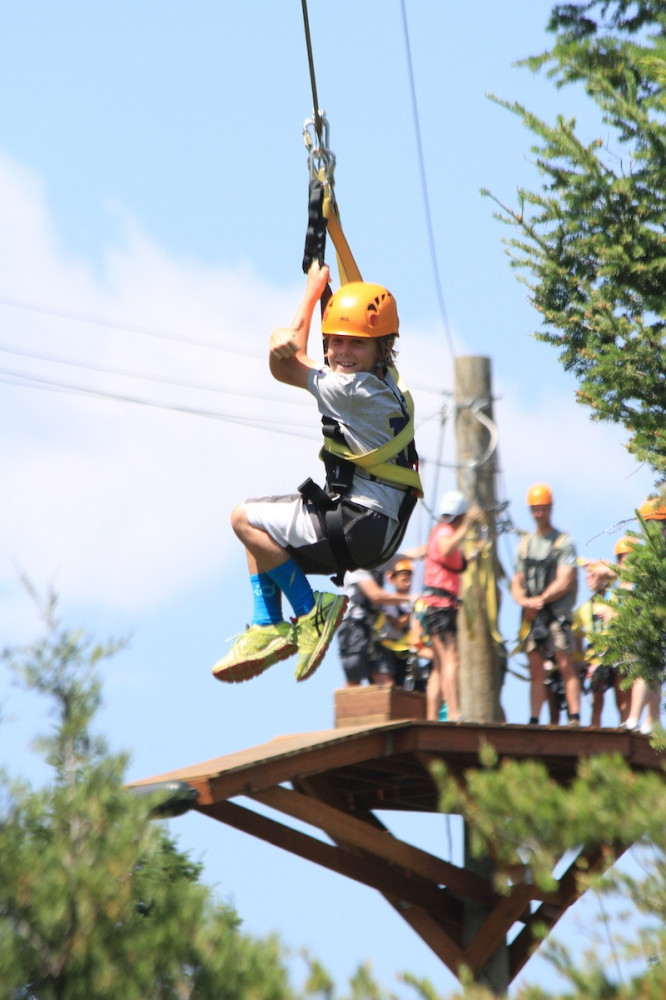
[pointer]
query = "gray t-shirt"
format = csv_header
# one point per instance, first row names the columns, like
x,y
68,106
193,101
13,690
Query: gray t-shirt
x,y
538,559
369,413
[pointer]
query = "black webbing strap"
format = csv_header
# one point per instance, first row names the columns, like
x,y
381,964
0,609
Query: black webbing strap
x,y
441,592
329,512
335,531
315,236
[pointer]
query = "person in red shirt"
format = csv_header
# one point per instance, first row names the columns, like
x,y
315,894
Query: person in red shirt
x,y
442,578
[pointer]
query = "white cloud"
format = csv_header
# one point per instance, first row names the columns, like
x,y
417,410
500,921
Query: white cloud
x,y
122,504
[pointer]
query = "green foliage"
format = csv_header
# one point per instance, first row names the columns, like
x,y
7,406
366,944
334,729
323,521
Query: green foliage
x,y
635,638
96,901
529,823
594,236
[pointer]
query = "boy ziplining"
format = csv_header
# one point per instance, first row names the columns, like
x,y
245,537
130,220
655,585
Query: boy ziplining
x,y
371,479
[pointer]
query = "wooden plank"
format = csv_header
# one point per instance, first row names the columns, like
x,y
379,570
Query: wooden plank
x,y
373,703
457,744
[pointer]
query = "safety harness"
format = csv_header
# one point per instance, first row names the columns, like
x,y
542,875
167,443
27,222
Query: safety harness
x,y
341,464
541,570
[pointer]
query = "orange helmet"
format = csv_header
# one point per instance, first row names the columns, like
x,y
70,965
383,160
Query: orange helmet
x,y
360,309
624,545
654,509
539,494
403,565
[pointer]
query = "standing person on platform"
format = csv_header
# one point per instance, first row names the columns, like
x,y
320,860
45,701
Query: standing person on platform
x,y
544,586
442,581
396,653
358,639
591,619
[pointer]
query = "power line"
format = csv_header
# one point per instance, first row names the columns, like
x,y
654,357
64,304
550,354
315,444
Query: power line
x,y
26,381
129,328
424,183
123,373
37,382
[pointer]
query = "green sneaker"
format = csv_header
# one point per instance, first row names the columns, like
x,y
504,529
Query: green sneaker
x,y
257,649
315,630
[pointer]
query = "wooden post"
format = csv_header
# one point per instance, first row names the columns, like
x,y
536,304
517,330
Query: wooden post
x,y
481,665
480,662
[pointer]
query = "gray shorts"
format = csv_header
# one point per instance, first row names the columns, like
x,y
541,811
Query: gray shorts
x,y
294,524
560,640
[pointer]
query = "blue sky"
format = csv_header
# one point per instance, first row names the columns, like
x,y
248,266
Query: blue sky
x,y
153,197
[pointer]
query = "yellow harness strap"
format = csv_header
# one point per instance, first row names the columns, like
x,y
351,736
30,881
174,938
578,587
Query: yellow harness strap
x,y
480,577
376,462
347,266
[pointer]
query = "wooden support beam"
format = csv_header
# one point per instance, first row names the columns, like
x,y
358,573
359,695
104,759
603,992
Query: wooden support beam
x,y
343,828
548,912
495,928
442,943
410,890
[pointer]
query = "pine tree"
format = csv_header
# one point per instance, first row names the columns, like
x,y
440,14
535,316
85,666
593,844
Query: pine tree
x,y
594,236
96,901
524,819
593,239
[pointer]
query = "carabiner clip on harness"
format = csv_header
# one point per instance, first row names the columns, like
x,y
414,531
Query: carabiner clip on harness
x,y
323,214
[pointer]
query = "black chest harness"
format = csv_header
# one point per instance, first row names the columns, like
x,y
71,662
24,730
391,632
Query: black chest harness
x,y
394,464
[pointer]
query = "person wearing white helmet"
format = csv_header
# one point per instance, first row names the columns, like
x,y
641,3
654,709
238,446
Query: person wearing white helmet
x,y
442,579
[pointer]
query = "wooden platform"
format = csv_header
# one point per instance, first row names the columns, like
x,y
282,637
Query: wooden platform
x,y
337,780
372,703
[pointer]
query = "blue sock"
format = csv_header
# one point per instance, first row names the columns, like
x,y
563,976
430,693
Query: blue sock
x,y
267,608
294,584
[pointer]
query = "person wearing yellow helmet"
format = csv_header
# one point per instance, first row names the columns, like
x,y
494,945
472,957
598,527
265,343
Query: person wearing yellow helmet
x,y
623,547
590,620
396,655
544,586
358,636
372,481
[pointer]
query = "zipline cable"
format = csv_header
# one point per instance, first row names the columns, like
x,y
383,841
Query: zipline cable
x,y
313,82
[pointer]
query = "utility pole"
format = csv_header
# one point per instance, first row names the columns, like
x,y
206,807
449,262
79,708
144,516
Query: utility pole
x,y
476,438
480,674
